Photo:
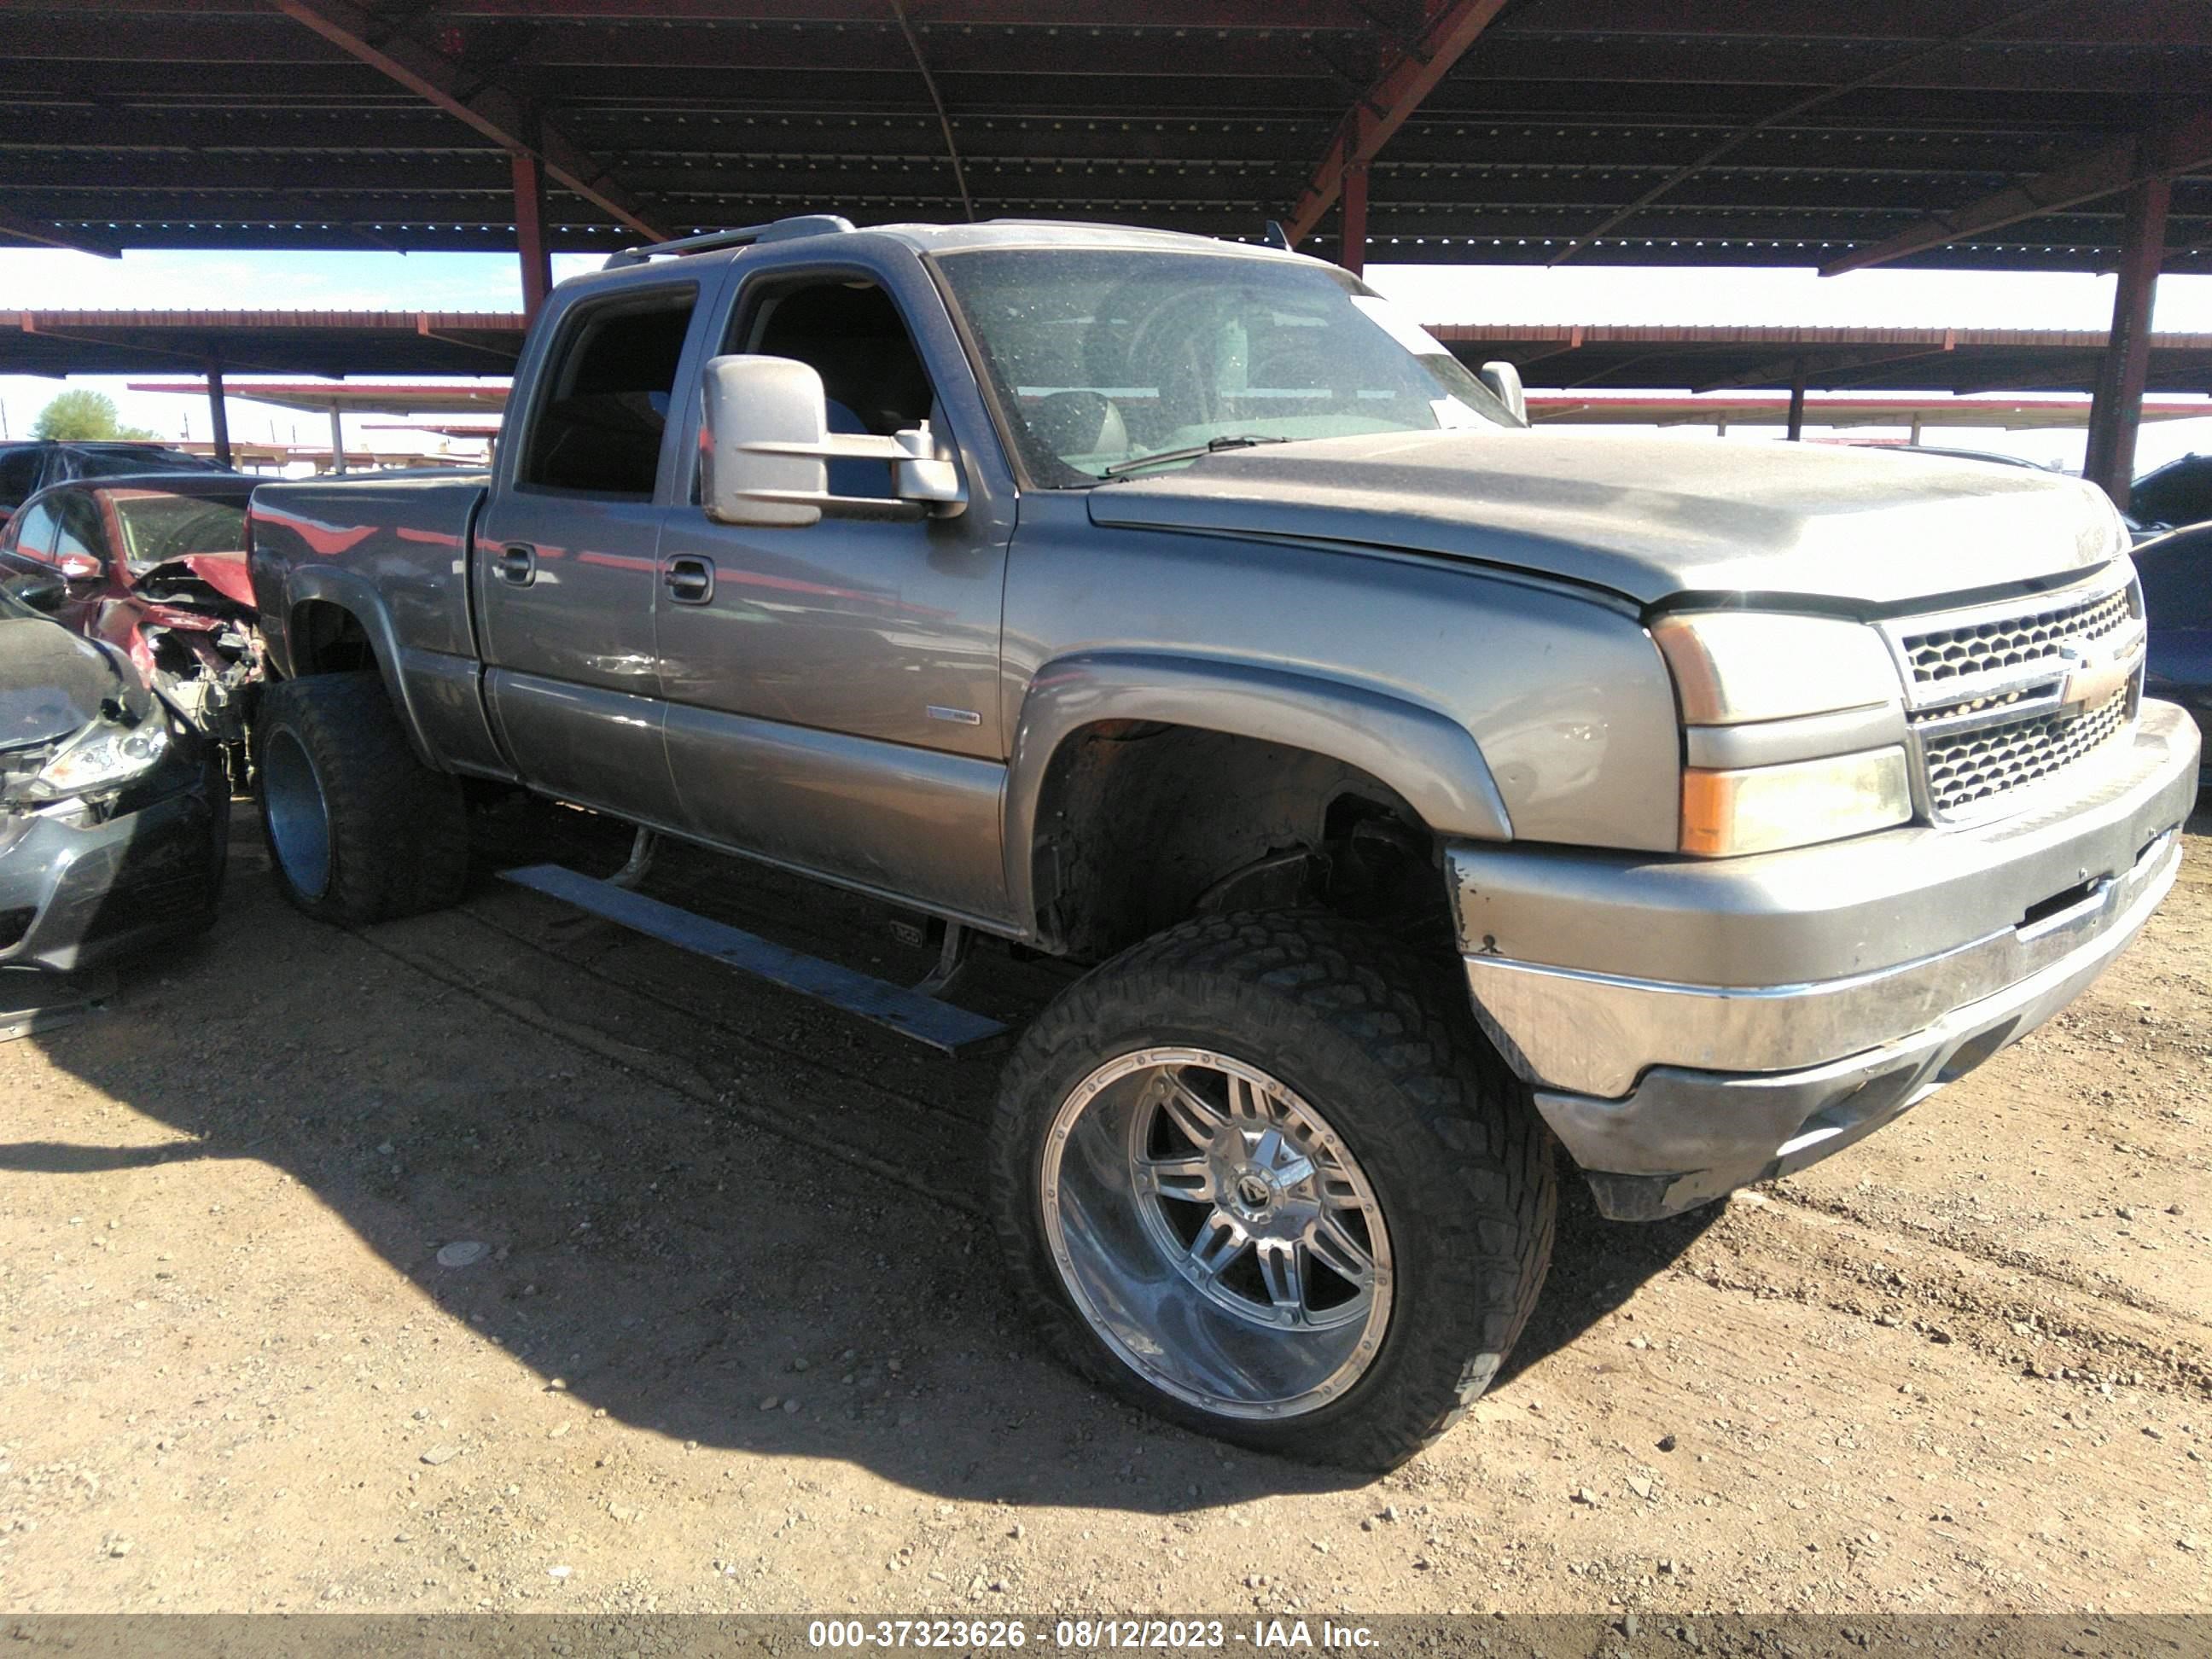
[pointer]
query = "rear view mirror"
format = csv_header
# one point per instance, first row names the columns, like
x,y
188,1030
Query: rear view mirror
x,y
1505,383
77,567
765,444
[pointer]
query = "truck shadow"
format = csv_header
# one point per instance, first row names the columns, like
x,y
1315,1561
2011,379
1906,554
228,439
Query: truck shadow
x,y
698,1202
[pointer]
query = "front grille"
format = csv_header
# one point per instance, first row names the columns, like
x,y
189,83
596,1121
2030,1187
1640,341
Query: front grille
x,y
1965,771
2013,643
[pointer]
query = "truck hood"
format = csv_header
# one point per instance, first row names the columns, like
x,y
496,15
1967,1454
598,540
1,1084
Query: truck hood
x,y
1649,518
51,682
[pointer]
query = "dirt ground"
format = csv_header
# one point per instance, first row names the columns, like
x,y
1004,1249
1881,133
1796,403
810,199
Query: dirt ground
x,y
739,1342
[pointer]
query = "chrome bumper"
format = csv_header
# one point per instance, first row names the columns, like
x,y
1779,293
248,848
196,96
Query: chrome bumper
x,y
1669,1092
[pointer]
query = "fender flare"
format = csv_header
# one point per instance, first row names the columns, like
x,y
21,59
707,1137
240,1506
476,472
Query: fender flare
x,y
355,595
1431,759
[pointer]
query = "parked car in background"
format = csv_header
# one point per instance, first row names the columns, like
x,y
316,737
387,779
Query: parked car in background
x,y
114,815
156,566
2177,578
28,467
2179,493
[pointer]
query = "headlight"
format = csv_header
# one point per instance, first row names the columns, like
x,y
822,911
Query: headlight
x,y
1781,693
1730,666
101,757
1757,809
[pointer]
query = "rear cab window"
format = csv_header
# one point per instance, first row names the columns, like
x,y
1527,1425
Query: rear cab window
x,y
603,404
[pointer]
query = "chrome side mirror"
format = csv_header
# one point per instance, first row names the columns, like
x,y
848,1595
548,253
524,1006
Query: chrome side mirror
x,y
1505,383
765,444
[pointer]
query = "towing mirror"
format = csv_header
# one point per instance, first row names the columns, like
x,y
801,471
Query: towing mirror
x,y
1505,381
765,446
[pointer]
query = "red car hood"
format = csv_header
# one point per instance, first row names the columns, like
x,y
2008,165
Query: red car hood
x,y
226,573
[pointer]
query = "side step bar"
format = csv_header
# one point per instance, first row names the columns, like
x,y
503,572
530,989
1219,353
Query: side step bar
x,y
910,1013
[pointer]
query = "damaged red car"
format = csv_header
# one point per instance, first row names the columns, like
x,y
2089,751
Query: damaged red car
x,y
155,565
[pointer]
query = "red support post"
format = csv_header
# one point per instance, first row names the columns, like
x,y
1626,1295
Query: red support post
x,y
530,233
2116,409
1353,198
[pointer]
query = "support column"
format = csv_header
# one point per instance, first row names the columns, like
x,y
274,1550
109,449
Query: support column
x,y
2116,409
217,414
338,441
1354,256
1797,402
530,233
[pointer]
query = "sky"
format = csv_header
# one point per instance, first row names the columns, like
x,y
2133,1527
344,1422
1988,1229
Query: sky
x,y
176,281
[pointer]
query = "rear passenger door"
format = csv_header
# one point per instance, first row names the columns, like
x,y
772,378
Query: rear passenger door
x,y
565,563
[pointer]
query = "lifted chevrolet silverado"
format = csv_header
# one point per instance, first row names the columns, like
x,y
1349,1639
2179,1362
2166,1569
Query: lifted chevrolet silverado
x,y
1431,793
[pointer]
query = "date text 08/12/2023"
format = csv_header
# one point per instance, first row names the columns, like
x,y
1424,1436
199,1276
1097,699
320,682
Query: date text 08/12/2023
x,y
1085,1634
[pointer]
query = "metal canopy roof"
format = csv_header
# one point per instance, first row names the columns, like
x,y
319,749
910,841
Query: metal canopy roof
x,y
1597,356
1582,356
331,344
1704,131
1611,409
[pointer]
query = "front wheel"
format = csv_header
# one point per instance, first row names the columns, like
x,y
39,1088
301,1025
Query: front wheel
x,y
1260,1176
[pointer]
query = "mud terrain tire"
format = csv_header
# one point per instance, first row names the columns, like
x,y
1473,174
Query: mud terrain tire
x,y
359,830
1380,1041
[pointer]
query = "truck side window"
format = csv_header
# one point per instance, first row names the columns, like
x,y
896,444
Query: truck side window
x,y
603,409
853,335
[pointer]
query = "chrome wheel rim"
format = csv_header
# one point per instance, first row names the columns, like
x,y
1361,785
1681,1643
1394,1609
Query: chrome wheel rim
x,y
299,820
1215,1232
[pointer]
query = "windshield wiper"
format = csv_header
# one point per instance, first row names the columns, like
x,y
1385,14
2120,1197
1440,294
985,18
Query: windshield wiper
x,y
1210,447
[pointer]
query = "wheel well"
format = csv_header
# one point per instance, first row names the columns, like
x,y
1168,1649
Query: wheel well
x,y
328,639
1142,824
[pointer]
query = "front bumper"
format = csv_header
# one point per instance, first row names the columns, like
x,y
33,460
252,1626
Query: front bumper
x,y
75,894
1813,994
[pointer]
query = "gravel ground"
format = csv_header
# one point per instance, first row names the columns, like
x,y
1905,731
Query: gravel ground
x,y
500,1258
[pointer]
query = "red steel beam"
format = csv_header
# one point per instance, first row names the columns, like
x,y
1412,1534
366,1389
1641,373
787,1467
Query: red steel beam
x,y
2181,148
500,115
1353,255
2116,409
1410,74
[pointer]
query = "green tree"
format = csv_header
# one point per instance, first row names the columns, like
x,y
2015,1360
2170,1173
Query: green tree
x,y
79,414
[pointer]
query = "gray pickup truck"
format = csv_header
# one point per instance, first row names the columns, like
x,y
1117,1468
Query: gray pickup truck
x,y
1431,793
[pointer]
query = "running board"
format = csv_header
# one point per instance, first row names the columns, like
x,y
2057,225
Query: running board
x,y
910,1013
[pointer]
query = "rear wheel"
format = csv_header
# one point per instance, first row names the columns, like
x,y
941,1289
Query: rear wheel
x,y
359,830
1260,1176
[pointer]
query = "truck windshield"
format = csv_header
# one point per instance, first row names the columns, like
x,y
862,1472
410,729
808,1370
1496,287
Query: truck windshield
x,y
1104,357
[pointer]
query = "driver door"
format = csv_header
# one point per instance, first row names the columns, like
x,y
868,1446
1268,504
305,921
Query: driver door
x,y
832,691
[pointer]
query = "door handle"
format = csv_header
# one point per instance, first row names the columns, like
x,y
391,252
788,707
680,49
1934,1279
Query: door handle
x,y
518,563
690,580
